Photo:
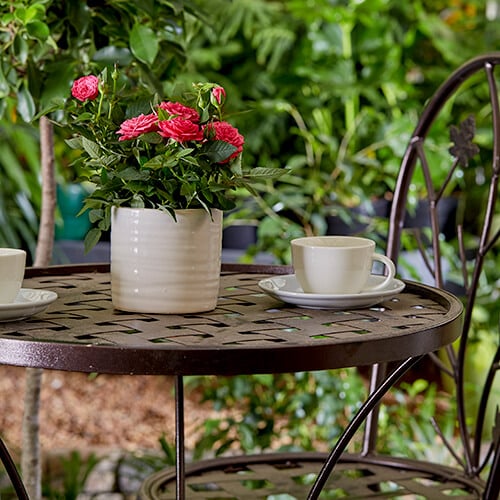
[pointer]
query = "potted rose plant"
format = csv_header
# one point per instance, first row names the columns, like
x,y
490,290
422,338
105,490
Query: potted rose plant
x,y
163,170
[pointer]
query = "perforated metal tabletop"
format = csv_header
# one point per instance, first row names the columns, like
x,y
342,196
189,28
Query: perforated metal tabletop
x,y
248,332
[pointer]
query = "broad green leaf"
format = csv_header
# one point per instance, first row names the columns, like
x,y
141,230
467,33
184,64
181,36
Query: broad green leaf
x,y
144,43
48,107
112,55
57,84
39,30
12,168
20,13
7,18
4,85
35,11
21,49
25,205
25,104
27,141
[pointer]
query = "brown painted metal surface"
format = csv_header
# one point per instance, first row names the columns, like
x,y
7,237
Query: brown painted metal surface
x,y
354,477
248,332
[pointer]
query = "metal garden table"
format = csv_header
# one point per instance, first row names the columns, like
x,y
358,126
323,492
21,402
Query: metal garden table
x,y
248,333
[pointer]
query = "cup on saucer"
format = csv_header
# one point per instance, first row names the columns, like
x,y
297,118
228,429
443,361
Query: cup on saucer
x,y
12,266
338,265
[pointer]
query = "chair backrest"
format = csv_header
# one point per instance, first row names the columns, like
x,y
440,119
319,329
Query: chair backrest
x,y
454,154
12,472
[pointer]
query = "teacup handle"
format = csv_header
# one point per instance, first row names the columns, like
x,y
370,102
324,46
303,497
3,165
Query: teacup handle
x,y
391,272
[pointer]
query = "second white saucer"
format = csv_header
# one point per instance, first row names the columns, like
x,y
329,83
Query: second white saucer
x,y
287,289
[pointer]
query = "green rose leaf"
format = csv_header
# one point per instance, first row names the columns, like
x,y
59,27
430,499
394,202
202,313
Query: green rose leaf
x,y
91,148
265,173
143,43
155,163
219,151
96,215
74,143
132,174
91,239
152,138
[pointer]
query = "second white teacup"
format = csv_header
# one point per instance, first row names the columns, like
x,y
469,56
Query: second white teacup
x,y
12,266
337,264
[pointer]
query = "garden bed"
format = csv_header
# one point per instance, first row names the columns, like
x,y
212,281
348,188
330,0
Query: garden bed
x,y
79,412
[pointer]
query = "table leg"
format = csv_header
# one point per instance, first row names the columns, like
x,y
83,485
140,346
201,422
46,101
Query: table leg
x,y
373,400
180,464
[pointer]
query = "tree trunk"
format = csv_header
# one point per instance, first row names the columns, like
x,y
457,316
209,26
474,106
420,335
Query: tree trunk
x,y
45,243
31,458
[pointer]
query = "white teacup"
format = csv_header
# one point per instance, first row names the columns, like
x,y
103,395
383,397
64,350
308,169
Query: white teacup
x,y
12,266
337,265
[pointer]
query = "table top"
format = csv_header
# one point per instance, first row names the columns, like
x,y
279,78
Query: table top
x,y
248,332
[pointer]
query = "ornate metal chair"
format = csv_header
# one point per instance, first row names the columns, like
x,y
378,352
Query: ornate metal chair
x,y
468,97
10,468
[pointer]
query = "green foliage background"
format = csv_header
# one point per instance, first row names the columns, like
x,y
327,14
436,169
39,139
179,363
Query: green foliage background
x,y
328,89
334,89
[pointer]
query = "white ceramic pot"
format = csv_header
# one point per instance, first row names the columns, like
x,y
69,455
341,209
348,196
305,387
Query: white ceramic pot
x,y
159,265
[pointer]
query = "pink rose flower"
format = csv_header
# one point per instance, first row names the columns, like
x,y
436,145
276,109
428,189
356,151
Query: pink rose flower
x,y
85,88
180,130
223,131
176,109
219,93
134,127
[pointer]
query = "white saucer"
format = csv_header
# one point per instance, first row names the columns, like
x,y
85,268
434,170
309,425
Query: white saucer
x,y
28,302
287,289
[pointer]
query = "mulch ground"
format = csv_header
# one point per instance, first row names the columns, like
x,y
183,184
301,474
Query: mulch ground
x,y
79,412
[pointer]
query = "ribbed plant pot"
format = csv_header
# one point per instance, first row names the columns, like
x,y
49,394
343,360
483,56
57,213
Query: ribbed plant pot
x,y
165,266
